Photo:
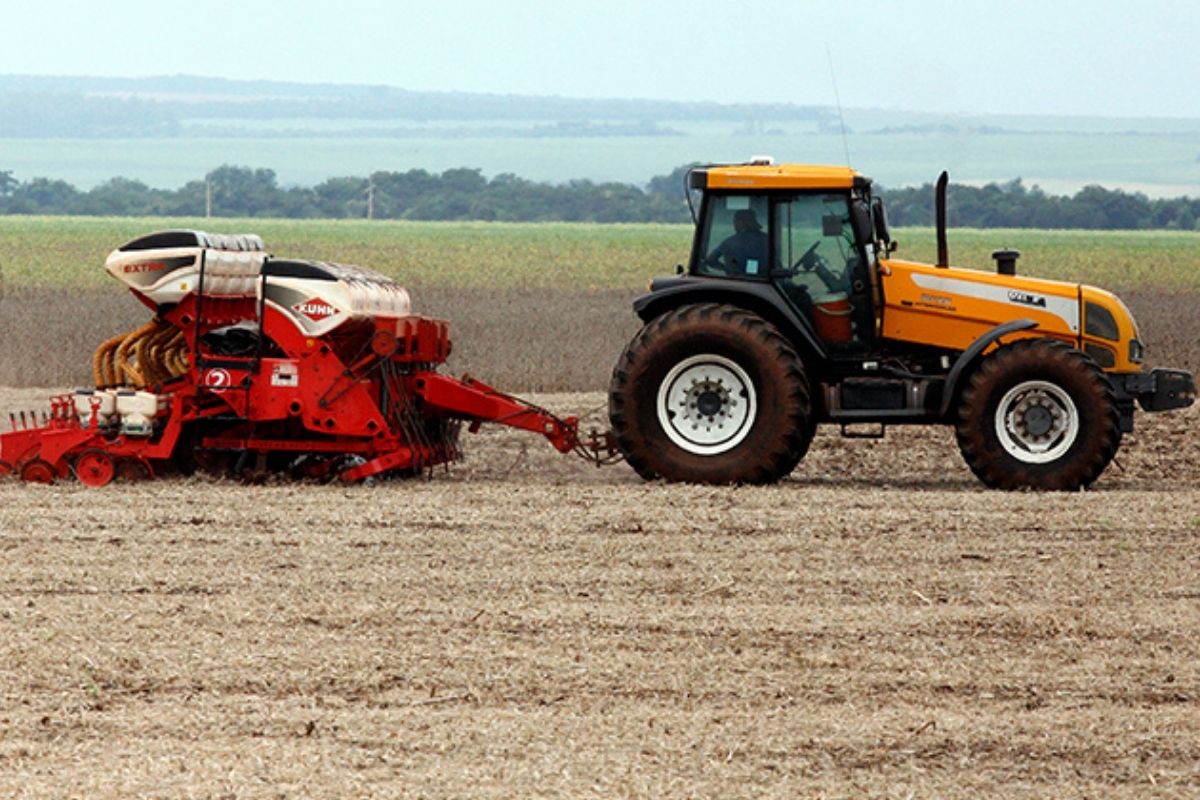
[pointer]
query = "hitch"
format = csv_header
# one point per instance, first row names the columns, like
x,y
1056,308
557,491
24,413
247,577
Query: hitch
x,y
600,448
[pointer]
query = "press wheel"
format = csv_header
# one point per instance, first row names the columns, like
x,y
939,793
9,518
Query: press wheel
x,y
94,468
38,471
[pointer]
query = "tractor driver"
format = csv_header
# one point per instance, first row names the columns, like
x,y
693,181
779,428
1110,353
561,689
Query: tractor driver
x,y
745,252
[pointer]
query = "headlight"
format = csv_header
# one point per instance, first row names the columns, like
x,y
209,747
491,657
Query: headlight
x,y
1102,355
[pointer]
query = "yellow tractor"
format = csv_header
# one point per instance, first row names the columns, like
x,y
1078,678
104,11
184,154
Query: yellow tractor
x,y
792,312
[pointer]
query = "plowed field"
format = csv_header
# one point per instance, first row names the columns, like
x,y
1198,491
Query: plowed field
x,y
878,625
525,625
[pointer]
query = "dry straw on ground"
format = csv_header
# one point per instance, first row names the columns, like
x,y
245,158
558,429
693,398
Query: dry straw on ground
x,y
876,626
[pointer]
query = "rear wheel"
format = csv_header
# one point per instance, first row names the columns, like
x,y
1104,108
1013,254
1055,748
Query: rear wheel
x,y
710,393
1038,414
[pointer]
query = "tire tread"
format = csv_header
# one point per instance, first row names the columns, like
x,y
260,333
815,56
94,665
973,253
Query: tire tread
x,y
787,448
1003,472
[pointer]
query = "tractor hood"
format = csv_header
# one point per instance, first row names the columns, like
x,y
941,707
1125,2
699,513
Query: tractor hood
x,y
952,306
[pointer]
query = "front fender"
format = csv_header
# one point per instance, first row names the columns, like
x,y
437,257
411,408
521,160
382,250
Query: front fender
x,y
968,357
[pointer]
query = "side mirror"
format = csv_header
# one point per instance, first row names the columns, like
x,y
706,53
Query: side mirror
x,y
879,215
860,218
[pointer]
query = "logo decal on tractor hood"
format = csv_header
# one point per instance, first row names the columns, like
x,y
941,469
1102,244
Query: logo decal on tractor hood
x,y
1025,298
315,309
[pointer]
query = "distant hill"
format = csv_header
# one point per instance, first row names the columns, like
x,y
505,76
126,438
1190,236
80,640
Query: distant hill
x,y
169,130
35,105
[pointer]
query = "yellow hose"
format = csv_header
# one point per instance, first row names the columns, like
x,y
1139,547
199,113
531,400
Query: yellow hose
x,y
150,354
130,374
102,366
154,353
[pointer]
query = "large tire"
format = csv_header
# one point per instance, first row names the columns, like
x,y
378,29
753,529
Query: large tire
x,y
710,393
1038,414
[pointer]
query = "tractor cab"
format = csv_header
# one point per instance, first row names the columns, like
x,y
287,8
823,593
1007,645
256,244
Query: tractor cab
x,y
806,231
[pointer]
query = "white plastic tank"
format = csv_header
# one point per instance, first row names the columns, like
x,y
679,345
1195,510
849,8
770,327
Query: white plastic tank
x,y
100,403
138,411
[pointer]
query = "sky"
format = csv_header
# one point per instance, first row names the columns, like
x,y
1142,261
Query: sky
x,y
1113,58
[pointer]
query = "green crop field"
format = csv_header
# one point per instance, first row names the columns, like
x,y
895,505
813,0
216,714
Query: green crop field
x,y
51,252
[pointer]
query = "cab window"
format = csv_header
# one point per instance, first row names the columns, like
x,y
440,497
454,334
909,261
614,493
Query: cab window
x,y
816,242
734,239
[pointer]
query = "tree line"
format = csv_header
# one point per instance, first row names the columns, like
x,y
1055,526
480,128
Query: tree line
x,y
1014,205
465,194
456,194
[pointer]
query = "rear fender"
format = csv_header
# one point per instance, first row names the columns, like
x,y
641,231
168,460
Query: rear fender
x,y
761,298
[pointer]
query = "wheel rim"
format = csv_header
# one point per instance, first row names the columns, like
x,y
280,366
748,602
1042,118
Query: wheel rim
x,y
707,404
1037,422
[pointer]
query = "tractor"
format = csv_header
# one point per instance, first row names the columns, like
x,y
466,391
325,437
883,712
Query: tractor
x,y
792,311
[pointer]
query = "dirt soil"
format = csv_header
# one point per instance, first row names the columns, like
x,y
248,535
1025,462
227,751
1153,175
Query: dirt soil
x,y
527,625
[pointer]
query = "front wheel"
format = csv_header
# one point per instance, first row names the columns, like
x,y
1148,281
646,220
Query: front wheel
x,y
710,393
1038,414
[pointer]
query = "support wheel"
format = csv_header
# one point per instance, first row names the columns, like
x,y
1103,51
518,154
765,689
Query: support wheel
x,y
1038,414
95,468
38,471
215,463
134,469
710,393
6,470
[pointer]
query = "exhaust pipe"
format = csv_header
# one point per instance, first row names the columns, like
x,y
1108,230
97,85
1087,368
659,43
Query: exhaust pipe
x,y
1006,261
939,212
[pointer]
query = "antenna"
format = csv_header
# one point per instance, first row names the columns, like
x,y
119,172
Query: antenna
x,y
687,191
837,99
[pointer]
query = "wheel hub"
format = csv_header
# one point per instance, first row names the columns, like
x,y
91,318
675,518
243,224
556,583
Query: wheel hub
x,y
710,402
1038,420
707,404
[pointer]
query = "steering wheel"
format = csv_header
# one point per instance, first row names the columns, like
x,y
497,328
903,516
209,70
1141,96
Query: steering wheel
x,y
810,259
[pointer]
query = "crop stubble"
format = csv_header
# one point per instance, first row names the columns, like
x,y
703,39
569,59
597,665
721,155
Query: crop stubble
x,y
529,625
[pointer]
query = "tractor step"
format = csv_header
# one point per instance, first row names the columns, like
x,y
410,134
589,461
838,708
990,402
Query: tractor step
x,y
872,432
